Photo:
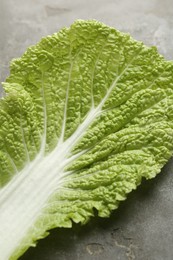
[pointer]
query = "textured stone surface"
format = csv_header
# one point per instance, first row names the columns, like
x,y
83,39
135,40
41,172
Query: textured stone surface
x,y
142,227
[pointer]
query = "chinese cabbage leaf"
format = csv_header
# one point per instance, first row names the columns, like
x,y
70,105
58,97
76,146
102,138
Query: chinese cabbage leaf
x,y
88,112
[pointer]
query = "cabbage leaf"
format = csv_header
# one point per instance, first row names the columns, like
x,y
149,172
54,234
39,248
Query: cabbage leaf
x,y
88,113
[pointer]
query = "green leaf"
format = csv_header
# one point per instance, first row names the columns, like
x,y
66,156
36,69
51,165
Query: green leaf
x,y
88,113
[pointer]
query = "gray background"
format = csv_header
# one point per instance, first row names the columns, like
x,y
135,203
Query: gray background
x,y
142,228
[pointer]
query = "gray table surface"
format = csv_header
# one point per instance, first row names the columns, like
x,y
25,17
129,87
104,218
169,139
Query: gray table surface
x,y
142,227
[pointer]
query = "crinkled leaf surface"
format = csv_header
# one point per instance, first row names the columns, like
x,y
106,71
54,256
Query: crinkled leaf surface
x,y
88,113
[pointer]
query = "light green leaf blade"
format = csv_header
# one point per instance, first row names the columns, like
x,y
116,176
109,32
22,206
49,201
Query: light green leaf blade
x,y
87,114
